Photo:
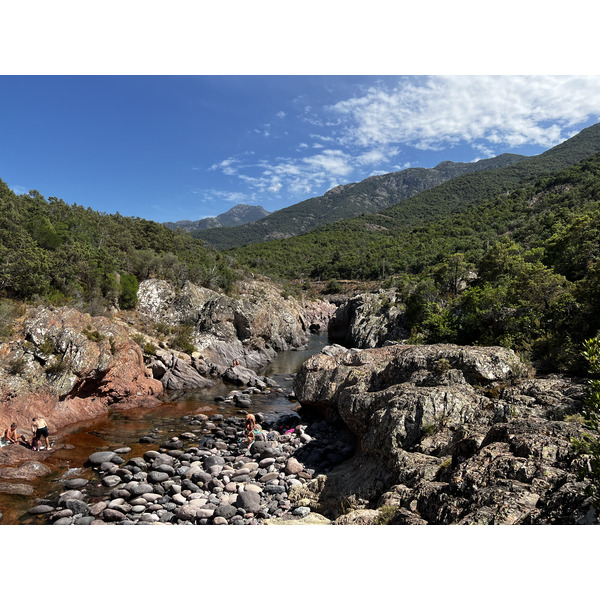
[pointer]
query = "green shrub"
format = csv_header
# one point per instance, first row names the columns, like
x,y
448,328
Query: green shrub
x,y
47,346
386,514
58,366
139,339
17,366
589,444
333,287
95,336
182,340
129,289
149,348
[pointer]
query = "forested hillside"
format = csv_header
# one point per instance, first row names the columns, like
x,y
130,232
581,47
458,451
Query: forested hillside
x,y
347,201
63,252
399,239
521,270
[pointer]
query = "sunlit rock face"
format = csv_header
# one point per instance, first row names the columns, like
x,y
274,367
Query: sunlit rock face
x,y
69,366
447,434
251,325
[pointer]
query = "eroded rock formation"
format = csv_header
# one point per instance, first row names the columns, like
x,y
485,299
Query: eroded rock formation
x,y
250,326
447,434
368,320
69,367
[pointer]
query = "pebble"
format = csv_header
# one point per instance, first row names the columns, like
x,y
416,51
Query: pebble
x,y
202,476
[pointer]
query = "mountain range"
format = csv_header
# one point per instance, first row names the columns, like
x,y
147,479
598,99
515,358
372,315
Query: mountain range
x,y
346,201
240,214
393,239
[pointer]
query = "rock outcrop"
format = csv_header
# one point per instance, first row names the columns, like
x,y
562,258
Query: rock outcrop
x,y
447,434
368,320
250,326
70,367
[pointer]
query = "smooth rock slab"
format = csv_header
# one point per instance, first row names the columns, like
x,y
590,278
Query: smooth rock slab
x,y
40,509
75,484
98,458
19,489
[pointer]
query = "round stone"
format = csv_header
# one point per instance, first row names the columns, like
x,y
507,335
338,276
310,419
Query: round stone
x,y
157,476
111,480
98,458
75,484
40,510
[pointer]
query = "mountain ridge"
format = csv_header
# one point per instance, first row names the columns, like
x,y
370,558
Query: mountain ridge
x,y
240,214
349,200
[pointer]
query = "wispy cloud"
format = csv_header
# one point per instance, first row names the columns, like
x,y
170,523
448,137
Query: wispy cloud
x,y
212,195
367,133
20,190
442,111
228,166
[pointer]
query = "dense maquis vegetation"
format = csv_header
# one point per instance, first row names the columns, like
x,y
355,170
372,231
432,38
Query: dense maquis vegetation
x,y
347,201
519,270
393,240
61,252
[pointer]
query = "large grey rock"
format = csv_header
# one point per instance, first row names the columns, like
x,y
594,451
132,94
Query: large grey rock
x,y
249,501
368,320
182,375
97,458
447,434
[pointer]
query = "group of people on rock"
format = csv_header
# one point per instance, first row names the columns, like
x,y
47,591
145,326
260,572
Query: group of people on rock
x,y
39,429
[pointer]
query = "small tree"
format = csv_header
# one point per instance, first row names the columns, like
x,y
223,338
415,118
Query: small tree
x,y
129,289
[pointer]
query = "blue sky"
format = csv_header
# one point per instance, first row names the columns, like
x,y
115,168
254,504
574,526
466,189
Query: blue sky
x,y
173,147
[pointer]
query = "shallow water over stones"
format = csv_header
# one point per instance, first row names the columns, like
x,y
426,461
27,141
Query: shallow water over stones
x,y
120,432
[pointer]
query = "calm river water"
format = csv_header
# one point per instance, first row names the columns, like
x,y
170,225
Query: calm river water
x,y
124,428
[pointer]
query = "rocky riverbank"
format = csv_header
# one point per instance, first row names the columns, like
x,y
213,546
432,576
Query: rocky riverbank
x,y
70,366
447,434
204,475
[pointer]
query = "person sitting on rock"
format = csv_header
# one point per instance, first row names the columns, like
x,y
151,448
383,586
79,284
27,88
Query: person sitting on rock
x,y
39,428
252,430
12,437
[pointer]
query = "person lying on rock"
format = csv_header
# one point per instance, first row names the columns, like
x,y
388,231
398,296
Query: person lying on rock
x,y
39,428
12,437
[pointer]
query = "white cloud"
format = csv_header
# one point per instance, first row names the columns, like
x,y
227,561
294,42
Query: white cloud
x,y
443,111
331,162
227,166
211,195
281,114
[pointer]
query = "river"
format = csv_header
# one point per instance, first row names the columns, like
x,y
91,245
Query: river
x,y
120,429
